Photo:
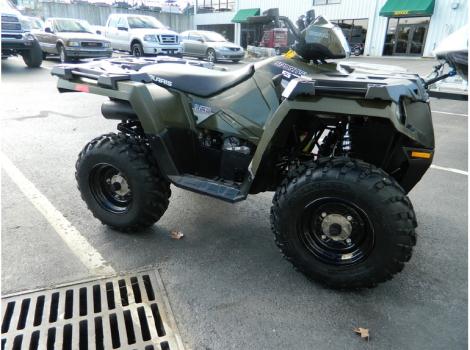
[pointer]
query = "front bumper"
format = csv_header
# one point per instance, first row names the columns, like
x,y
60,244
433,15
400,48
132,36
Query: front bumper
x,y
87,53
17,41
158,49
229,55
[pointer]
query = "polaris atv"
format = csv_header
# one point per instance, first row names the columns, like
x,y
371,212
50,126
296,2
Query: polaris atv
x,y
340,144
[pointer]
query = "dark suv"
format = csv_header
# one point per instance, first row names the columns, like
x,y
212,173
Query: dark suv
x,y
17,38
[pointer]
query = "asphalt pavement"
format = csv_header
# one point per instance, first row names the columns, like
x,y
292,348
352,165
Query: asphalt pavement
x,y
227,283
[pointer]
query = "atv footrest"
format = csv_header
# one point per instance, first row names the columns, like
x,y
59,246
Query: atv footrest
x,y
211,188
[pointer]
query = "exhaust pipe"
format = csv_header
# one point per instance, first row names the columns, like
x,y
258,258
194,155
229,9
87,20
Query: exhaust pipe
x,y
118,110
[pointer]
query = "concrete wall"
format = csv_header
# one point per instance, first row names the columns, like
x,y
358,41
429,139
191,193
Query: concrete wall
x,y
98,15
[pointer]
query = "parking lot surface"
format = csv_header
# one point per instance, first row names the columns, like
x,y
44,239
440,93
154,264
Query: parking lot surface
x,y
227,283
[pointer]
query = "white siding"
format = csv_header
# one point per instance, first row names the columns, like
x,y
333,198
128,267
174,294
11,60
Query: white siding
x,y
213,18
445,21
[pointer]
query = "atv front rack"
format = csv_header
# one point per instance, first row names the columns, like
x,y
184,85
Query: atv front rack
x,y
369,87
108,72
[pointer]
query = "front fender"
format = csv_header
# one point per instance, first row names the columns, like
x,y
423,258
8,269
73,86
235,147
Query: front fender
x,y
417,125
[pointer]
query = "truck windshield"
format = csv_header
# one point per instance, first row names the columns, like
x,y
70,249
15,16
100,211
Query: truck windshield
x,y
144,22
35,23
214,37
65,25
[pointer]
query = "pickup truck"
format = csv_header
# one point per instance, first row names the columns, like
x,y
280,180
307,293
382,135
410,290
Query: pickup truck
x,y
16,36
141,35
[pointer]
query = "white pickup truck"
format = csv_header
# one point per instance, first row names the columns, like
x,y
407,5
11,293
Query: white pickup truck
x,y
141,35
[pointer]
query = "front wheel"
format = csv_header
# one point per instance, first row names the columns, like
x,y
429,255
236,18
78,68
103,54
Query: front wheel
x,y
64,58
33,57
344,223
137,50
210,55
120,182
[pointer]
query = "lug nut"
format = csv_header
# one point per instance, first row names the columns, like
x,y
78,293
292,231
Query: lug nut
x,y
323,237
349,217
323,215
348,240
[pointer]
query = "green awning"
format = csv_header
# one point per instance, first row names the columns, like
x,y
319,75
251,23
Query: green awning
x,y
407,8
243,14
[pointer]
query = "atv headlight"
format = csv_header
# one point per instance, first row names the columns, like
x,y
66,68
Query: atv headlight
x,y
151,38
73,43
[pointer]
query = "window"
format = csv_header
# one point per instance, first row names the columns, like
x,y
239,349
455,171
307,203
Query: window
x,y
195,37
113,22
48,24
355,30
122,22
325,2
207,6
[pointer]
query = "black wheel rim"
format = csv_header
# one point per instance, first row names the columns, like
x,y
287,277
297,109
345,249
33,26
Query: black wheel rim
x,y
110,188
336,231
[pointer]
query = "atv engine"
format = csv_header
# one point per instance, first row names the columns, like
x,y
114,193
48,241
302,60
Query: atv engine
x,y
231,154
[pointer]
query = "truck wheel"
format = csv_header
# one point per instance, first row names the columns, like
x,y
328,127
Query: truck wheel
x,y
120,182
344,223
210,55
33,58
137,50
63,54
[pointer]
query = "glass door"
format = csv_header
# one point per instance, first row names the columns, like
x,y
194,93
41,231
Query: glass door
x,y
402,39
406,36
418,36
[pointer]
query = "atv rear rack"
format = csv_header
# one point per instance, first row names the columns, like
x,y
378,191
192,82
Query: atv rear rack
x,y
108,72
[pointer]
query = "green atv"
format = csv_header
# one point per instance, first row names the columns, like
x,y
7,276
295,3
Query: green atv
x,y
340,144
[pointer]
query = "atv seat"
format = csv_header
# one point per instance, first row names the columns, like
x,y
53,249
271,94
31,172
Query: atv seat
x,y
194,80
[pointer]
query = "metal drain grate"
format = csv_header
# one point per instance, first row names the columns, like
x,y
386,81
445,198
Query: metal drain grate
x,y
124,312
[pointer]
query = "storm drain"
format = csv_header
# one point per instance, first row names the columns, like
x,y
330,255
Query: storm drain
x,y
125,312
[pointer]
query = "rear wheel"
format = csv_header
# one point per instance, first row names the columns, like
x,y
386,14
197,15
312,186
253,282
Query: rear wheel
x,y
137,50
120,182
344,223
33,57
210,55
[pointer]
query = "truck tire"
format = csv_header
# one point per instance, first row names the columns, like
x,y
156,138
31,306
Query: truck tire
x,y
344,223
33,58
120,182
137,50
63,54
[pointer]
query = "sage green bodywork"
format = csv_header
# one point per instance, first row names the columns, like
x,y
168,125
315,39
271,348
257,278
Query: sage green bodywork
x,y
254,110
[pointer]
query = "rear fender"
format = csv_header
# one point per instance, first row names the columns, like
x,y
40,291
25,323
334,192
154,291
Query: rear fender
x,y
156,107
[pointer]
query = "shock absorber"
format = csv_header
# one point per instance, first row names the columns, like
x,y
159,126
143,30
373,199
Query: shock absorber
x,y
346,140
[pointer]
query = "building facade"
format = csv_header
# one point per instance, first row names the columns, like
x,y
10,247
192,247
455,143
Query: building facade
x,y
383,27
